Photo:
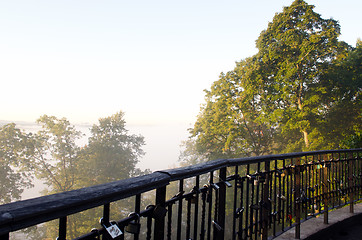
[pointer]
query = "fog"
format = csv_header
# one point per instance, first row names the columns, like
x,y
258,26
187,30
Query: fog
x,y
162,146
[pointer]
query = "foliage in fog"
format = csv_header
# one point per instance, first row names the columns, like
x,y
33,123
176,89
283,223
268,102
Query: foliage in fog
x,y
52,155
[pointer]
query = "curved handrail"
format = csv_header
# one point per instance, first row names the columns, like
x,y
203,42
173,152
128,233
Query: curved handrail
x,y
22,214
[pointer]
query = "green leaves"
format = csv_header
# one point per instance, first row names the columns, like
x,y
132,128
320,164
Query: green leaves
x,y
229,125
301,91
111,153
15,156
54,157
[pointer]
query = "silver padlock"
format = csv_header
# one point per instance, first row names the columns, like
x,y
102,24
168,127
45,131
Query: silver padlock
x,y
133,226
112,228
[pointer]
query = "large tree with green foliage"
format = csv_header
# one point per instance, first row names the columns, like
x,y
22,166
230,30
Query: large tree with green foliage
x,y
290,96
293,53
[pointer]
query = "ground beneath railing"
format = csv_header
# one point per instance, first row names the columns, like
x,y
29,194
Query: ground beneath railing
x,y
342,225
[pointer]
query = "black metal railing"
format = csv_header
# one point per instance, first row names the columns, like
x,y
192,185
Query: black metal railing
x,y
246,198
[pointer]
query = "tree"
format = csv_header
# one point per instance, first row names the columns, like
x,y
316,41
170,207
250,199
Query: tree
x,y
111,153
228,124
344,78
302,83
293,51
56,153
15,155
53,155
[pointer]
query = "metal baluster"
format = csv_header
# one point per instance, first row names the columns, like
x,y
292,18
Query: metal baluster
x,y
329,180
137,210
106,212
359,175
203,211
297,197
283,202
247,208
159,227
210,205
216,212
333,186
169,221
5,236
196,208
250,227
339,178
235,202
325,191
265,198
188,219
62,228
280,194
221,205
179,216
149,227
274,216
309,183
350,183
345,179
318,183
312,185
257,213
288,209
302,189
241,216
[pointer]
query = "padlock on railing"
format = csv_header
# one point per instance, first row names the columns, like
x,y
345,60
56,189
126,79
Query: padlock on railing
x,y
228,184
217,226
282,197
96,231
111,228
133,226
215,186
238,212
159,212
279,173
255,207
193,199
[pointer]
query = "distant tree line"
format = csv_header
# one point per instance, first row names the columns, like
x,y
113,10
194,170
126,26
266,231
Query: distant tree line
x,y
301,91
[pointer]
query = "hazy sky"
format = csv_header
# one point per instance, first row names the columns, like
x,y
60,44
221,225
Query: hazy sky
x,y
84,59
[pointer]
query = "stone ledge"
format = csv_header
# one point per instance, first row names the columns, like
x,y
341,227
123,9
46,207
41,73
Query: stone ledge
x,y
316,229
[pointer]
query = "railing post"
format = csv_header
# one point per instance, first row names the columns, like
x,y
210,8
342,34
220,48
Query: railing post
x,y
62,228
219,233
160,221
325,189
264,225
350,183
179,215
297,198
4,237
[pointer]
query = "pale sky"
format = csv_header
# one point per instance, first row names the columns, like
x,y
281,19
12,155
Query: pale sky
x,y
83,59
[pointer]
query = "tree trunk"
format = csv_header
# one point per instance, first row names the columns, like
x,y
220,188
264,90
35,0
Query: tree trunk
x,y
300,107
305,134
